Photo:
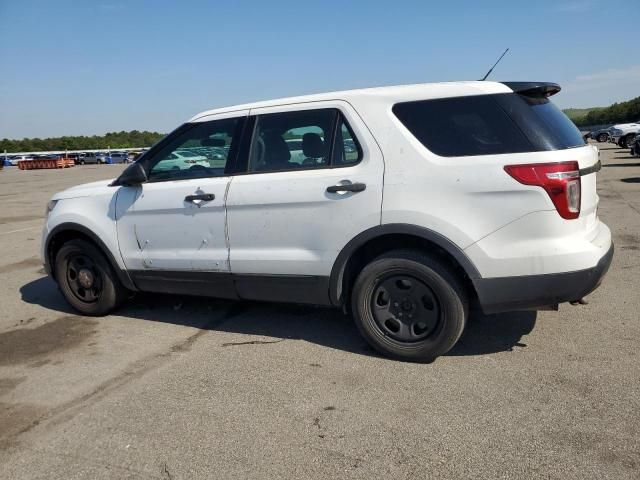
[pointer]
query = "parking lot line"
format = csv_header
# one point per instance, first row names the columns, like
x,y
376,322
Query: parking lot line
x,y
19,230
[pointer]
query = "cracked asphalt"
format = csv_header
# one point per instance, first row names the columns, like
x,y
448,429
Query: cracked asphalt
x,y
185,388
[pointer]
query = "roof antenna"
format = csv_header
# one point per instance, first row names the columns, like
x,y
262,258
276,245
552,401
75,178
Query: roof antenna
x,y
494,65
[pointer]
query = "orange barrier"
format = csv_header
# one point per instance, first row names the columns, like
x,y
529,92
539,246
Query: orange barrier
x,y
45,163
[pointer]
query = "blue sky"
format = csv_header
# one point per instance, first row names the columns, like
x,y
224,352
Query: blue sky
x,y
92,66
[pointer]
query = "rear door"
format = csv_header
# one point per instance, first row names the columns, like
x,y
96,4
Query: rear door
x,y
312,181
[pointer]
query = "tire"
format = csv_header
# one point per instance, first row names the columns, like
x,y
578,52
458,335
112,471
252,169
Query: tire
x,y
622,143
86,279
425,302
603,137
628,140
81,162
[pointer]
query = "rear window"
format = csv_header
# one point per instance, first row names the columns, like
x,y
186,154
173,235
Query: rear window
x,y
544,124
488,125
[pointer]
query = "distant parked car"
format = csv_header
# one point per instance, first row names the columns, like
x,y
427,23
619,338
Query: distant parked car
x,y
76,157
181,160
601,135
622,133
634,146
295,150
134,156
119,157
94,157
14,159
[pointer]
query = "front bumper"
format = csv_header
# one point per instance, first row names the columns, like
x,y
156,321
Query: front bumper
x,y
533,292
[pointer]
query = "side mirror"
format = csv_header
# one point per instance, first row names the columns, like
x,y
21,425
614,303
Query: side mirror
x,y
133,175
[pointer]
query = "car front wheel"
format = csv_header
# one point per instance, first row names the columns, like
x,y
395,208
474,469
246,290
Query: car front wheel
x,y
86,279
602,137
409,306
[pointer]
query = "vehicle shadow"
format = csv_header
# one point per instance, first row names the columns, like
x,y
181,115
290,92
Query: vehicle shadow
x,y
324,326
630,180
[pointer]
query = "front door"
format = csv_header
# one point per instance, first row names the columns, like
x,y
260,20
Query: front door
x,y
176,222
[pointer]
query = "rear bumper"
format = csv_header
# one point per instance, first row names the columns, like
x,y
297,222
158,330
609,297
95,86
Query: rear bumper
x,y
533,292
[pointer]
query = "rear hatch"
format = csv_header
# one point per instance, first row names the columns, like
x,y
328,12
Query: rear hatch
x,y
496,137
550,130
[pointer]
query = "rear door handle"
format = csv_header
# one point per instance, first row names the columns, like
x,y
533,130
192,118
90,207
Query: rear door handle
x,y
205,197
349,187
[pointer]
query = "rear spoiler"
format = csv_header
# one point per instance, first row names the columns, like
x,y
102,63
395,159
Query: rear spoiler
x,y
534,89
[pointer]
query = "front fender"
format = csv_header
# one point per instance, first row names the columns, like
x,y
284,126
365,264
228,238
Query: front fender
x,y
92,217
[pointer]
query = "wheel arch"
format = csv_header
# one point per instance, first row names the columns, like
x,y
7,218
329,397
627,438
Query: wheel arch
x,y
375,241
64,232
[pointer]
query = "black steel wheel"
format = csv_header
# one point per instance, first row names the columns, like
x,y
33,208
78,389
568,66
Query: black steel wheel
x,y
409,305
405,308
86,278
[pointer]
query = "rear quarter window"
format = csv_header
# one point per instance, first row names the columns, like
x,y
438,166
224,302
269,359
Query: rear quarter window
x,y
487,125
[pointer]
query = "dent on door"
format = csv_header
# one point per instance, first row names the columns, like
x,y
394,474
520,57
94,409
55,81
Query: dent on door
x,y
174,227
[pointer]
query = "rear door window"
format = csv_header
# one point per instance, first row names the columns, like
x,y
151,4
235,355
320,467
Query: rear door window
x,y
346,149
292,140
302,140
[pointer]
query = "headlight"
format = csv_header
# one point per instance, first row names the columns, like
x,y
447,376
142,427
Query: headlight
x,y
50,206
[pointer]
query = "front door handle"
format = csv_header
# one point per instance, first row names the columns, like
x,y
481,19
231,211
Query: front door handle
x,y
349,187
205,197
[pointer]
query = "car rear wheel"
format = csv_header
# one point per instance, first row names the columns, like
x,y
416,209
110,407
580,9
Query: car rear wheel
x,y
409,306
86,278
602,137
629,140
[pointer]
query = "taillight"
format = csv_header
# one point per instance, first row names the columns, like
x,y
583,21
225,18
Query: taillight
x,y
560,180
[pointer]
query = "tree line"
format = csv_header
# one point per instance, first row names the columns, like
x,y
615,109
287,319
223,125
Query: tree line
x,y
624,112
617,113
112,140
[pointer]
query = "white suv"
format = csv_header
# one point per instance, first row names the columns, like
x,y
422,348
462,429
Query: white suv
x,y
408,205
622,133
